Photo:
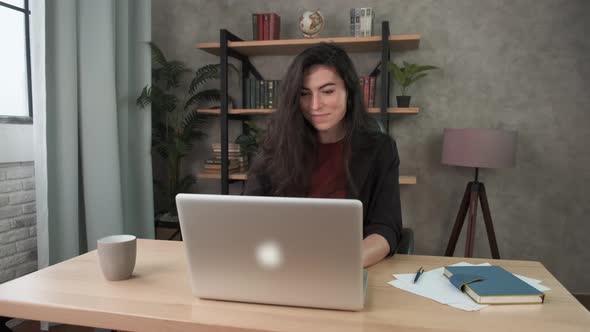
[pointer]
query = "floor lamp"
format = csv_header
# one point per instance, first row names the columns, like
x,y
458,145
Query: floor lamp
x,y
477,148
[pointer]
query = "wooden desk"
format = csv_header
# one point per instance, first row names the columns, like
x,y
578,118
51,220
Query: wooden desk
x,y
158,298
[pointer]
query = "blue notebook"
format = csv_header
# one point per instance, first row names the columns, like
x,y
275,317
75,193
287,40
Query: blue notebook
x,y
492,285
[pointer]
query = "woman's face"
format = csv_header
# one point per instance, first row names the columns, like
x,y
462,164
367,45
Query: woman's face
x,y
323,102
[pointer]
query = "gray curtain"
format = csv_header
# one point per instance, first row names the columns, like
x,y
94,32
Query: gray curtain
x,y
99,175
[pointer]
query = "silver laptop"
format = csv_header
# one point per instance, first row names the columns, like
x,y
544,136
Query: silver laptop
x,y
274,250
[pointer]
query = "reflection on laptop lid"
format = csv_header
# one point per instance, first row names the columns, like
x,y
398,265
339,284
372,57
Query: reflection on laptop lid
x,y
275,250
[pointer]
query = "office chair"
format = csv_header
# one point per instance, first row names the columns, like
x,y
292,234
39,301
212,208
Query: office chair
x,y
406,243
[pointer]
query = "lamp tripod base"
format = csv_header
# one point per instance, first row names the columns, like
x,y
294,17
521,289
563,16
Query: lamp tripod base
x,y
474,192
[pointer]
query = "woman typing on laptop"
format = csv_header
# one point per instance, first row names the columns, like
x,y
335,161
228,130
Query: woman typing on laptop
x,y
322,143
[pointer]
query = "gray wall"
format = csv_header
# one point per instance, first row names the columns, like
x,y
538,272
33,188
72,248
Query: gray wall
x,y
519,65
18,230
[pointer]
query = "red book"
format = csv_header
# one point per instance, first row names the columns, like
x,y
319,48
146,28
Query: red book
x,y
278,28
266,29
372,82
260,26
275,26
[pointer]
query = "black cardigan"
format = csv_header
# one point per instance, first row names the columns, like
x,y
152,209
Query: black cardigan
x,y
374,168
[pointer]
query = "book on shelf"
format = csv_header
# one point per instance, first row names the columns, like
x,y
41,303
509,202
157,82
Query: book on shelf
x,y
236,161
213,162
269,94
368,84
275,26
229,145
260,31
266,26
492,285
261,94
217,160
368,26
254,26
357,22
217,154
372,84
352,22
218,171
212,167
361,21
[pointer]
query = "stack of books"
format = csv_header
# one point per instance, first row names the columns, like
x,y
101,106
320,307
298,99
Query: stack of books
x,y
237,162
266,26
368,88
361,21
261,93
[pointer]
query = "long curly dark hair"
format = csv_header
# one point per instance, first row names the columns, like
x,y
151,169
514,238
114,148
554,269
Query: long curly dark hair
x,y
288,151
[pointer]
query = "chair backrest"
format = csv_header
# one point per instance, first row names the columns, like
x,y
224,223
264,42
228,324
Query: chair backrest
x,y
380,125
406,244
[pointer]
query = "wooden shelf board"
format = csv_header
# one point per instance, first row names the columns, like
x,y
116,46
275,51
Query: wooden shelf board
x,y
295,46
236,111
408,179
396,110
234,176
403,179
410,110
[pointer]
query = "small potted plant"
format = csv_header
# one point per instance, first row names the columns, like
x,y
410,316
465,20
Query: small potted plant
x,y
406,76
250,140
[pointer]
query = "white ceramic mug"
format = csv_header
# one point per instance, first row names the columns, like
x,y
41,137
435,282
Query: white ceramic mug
x,y
116,255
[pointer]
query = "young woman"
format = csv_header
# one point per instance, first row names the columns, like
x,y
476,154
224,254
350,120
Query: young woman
x,y
322,143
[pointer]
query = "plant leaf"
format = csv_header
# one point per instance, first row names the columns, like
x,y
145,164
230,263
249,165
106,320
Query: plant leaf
x,y
250,141
202,97
415,78
192,125
163,102
145,97
173,72
157,54
207,73
398,74
425,67
406,64
410,70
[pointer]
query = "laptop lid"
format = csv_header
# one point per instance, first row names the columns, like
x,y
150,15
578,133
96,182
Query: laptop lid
x,y
275,250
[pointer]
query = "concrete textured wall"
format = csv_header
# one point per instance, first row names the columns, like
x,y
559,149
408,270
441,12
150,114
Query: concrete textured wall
x,y
511,64
18,231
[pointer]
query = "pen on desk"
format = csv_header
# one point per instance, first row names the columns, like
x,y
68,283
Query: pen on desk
x,y
418,274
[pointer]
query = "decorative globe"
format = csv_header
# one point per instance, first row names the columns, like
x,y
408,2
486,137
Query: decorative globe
x,y
311,23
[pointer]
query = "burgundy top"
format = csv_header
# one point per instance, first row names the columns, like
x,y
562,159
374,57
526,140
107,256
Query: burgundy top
x,y
328,178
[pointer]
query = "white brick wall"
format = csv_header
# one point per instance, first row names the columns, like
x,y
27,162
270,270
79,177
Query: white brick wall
x,y
18,230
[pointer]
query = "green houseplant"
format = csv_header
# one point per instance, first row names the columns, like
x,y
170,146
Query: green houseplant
x,y
407,75
175,122
250,139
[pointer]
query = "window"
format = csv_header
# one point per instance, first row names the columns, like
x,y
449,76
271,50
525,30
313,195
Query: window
x,y
16,97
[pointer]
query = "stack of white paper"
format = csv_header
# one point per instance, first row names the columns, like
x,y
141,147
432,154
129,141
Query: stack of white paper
x,y
434,285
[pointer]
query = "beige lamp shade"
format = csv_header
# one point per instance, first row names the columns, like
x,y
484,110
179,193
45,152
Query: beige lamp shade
x,y
478,147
